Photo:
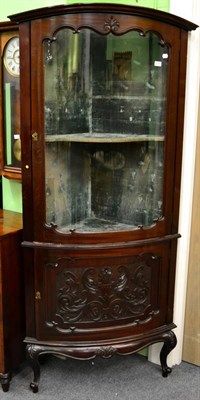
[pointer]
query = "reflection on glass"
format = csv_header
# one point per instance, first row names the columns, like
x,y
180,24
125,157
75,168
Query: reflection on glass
x,y
105,104
11,103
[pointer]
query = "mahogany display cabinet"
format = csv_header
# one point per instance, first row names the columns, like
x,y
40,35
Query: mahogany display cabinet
x,y
102,104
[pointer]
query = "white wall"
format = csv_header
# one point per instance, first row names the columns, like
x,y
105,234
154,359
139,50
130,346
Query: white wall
x,y
189,10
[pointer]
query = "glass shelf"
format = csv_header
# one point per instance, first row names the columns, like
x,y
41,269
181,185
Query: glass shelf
x,y
92,225
103,138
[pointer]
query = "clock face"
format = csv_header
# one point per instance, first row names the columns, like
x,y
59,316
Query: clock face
x,y
11,56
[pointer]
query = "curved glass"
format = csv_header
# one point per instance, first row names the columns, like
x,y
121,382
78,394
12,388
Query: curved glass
x,y
105,106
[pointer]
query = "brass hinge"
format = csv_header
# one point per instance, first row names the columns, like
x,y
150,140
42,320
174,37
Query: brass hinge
x,y
37,296
35,136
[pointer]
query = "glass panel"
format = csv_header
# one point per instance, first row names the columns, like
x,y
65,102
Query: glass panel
x,y
11,103
105,105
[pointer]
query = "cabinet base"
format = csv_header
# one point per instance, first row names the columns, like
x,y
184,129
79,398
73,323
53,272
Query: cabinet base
x,y
34,349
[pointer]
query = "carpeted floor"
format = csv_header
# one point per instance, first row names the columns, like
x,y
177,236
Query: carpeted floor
x,y
118,378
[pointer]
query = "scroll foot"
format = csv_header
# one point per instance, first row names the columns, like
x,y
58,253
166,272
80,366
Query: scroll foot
x,y
34,387
32,352
5,381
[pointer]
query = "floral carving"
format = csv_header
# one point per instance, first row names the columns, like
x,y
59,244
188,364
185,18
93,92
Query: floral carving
x,y
106,351
59,262
103,294
111,25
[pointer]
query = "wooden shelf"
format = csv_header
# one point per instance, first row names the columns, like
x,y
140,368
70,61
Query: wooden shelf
x,y
104,138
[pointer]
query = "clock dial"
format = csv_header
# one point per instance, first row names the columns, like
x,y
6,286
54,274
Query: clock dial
x,y
11,56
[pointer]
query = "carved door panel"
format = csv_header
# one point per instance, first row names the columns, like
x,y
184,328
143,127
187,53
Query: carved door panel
x,y
97,295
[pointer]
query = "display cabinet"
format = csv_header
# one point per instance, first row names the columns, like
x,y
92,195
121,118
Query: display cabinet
x,y
10,142
102,102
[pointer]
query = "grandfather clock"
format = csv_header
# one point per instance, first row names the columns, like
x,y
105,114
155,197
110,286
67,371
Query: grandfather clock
x,y
10,142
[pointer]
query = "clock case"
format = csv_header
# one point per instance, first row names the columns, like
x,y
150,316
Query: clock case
x,y
111,291
10,145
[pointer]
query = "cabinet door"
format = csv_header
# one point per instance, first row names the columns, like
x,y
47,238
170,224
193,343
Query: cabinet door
x,y
107,135
93,295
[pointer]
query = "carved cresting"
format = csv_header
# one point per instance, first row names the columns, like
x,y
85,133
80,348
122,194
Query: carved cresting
x,y
111,25
102,294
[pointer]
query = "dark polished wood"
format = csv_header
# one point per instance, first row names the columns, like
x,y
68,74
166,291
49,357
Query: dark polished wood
x,y
12,315
170,342
105,349
98,294
1,199
143,12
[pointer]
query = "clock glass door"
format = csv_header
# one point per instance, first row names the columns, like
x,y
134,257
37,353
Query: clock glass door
x,y
11,102
105,127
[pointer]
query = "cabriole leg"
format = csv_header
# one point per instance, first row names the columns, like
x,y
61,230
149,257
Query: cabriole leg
x,y
32,353
170,342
